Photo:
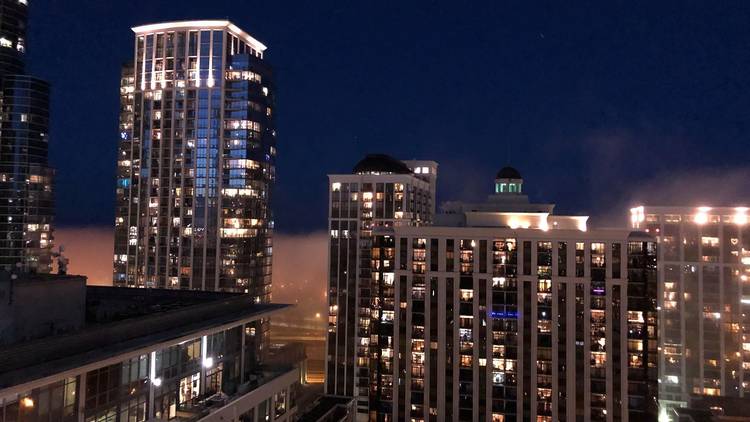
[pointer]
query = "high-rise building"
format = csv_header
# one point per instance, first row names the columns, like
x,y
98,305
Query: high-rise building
x,y
704,294
26,199
196,161
380,192
502,311
121,354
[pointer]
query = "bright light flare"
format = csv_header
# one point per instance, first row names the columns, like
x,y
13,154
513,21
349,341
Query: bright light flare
x,y
701,217
740,216
637,215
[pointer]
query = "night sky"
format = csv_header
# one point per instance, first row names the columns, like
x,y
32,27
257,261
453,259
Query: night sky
x,y
595,107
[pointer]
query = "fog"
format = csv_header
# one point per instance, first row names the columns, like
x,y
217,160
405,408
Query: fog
x,y
299,267
713,187
90,251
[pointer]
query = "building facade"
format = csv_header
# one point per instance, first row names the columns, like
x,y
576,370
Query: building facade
x,y
149,355
26,196
196,161
704,265
503,311
380,192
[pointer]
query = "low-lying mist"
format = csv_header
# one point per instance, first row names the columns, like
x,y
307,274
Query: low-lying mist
x,y
299,267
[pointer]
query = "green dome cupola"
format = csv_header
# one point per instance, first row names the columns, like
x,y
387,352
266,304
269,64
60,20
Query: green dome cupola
x,y
508,181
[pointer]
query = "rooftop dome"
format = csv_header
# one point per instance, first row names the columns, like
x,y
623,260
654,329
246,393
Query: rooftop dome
x,y
380,163
508,173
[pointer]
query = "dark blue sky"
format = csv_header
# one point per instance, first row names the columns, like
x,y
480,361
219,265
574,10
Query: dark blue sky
x,y
596,106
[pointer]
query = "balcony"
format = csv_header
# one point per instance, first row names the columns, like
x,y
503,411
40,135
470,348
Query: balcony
x,y
220,406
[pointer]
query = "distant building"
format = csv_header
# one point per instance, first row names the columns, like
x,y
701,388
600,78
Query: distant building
x,y
704,295
146,355
380,192
26,197
499,311
196,161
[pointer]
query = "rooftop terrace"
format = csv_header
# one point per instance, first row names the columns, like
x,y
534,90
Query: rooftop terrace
x,y
119,321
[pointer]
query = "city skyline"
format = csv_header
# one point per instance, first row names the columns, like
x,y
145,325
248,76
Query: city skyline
x,y
557,90
485,212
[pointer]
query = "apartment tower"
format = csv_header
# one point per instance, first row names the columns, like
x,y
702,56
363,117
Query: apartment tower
x,y
26,198
380,192
704,294
196,161
503,311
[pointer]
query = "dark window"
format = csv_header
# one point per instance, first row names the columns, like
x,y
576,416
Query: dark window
x,y
562,259
449,245
482,256
526,258
616,260
434,253
403,254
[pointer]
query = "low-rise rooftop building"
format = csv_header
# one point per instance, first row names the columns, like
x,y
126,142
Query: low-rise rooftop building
x,y
148,354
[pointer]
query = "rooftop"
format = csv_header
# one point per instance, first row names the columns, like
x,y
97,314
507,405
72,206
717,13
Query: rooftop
x,y
508,173
507,207
126,320
332,408
379,164
201,24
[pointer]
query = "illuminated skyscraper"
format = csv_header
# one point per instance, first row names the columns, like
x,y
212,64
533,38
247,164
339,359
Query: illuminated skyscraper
x,y
26,199
704,295
497,311
196,161
380,192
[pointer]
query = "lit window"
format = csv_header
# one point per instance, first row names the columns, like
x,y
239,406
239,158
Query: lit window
x,y
242,75
498,377
388,279
387,316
